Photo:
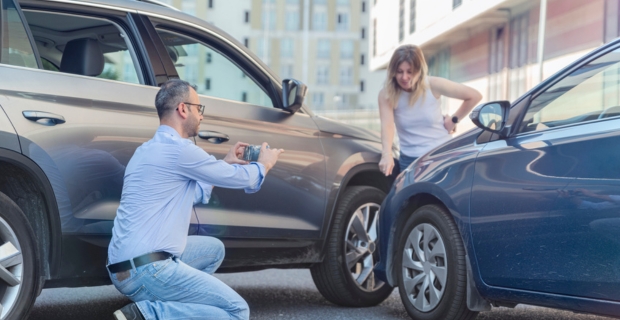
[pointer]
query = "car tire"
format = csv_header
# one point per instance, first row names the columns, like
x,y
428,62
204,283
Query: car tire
x,y
431,267
17,300
339,281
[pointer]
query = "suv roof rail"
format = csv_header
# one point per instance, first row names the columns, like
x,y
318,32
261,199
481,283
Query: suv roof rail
x,y
159,3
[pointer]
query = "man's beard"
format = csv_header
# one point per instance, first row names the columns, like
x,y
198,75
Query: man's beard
x,y
191,127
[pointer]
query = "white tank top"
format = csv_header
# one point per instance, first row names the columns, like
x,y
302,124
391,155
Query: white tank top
x,y
419,127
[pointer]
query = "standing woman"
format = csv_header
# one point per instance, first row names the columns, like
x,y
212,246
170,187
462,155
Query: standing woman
x,y
409,102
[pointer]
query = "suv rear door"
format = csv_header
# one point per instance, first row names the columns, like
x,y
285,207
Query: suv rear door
x,y
242,104
79,123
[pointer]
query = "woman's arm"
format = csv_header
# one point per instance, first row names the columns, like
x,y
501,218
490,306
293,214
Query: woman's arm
x,y
451,89
386,114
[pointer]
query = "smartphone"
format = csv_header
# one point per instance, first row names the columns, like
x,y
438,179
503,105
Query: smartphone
x,y
251,152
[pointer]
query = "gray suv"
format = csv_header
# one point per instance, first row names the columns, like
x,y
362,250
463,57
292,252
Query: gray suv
x,y
76,99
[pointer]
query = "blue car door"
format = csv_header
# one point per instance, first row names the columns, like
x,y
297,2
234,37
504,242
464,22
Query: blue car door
x,y
545,209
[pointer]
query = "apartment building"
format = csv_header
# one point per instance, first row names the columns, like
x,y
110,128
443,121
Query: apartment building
x,y
323,43
495,46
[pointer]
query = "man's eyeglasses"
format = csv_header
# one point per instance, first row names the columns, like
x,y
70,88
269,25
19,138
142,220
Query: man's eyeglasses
x,y
201,107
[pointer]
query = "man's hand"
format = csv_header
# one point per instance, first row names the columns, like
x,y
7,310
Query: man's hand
x,y
268,157
235,153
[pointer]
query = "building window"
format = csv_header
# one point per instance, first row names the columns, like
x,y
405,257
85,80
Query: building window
x,y
263,49
346,76
210,3
346,49
412,5
362,59
497,51
246,42
207,84
189,8
322,75
324,49
208,57
244,96
318,99
363,6
342,100
343,22
286,71
518,55
286,48
362,86
363,33
456,3
518,41
269,19
319,21
292,20
439,64
342,2
401,20
295,2
374,37
247,17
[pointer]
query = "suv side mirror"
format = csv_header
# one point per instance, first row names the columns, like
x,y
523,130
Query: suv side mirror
x,y
491,116
293,93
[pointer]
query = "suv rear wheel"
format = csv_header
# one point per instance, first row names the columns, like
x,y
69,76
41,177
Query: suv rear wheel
x,y
19,271
346,276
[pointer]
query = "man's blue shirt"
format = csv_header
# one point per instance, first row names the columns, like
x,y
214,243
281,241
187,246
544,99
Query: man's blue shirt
x,y
163,180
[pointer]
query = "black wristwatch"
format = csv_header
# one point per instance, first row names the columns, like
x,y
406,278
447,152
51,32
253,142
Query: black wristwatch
x,y
455,119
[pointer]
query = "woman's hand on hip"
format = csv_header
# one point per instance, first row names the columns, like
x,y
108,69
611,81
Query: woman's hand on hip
x,y
386,164
448,124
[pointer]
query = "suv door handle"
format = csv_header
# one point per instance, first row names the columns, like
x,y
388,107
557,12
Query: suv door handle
x,y
213,137
53,119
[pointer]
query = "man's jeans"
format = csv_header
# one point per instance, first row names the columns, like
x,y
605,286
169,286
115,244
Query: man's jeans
x,y
183,288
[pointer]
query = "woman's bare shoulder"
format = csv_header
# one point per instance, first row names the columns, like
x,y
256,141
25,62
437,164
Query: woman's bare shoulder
x,y
435,81
383,95
435,84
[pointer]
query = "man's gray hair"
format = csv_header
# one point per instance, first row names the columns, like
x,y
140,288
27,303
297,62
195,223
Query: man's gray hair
x,y
171,93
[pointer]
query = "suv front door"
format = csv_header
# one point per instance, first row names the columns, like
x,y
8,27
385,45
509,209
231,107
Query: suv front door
x,y
242,105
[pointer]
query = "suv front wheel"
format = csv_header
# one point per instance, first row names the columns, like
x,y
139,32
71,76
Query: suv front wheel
x,y
346,275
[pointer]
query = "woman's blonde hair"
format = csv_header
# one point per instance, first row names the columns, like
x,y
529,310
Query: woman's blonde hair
x,y
413,55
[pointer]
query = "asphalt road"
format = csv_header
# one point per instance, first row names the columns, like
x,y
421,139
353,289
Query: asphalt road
x,y
271,294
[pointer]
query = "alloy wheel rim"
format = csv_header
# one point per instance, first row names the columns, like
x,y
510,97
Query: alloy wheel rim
x,y
360,247
424,267
12,266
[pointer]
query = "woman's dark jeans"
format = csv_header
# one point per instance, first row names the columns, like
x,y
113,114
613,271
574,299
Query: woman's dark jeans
x,y
404,161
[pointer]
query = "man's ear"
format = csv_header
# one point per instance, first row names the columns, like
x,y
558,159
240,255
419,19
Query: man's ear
x,y
182,110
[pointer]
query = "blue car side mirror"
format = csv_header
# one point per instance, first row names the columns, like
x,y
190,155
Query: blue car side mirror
x,y
491,116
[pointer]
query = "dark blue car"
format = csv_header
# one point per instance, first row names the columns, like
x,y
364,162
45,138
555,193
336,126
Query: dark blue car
x,y
523,209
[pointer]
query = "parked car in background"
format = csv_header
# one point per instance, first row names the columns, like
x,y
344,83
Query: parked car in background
x,y
523,209
76,100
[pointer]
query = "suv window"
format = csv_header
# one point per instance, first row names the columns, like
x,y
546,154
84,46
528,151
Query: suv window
x,y
213,73
83,45
588,93
16,46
